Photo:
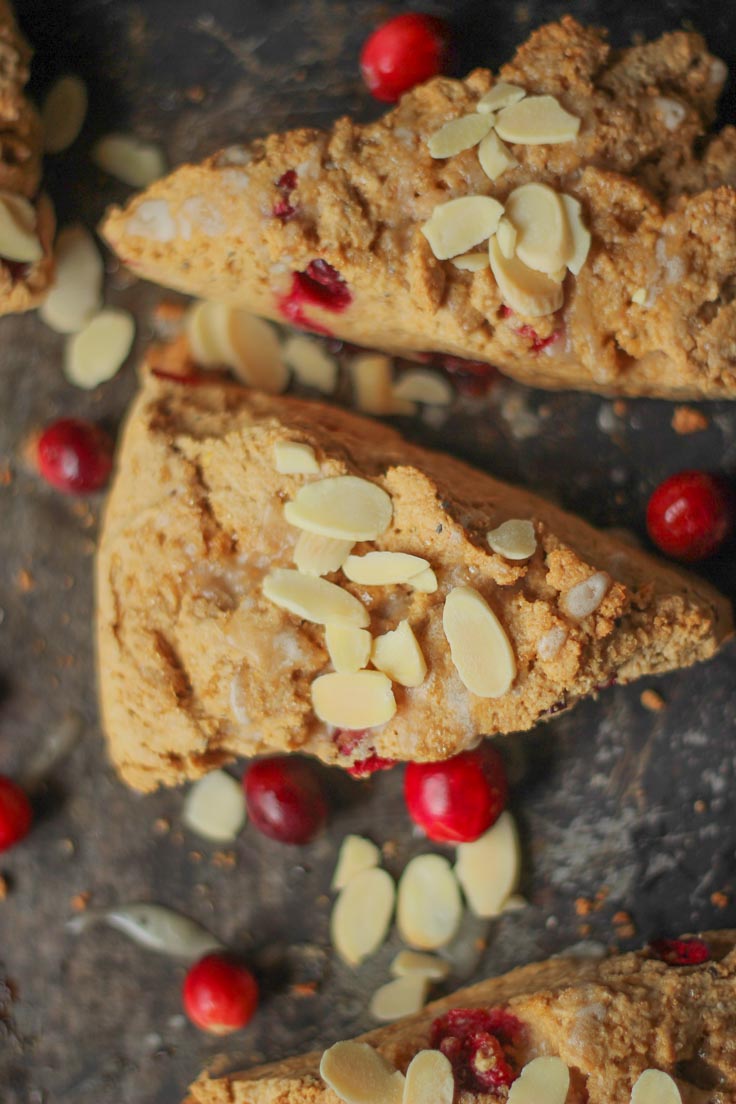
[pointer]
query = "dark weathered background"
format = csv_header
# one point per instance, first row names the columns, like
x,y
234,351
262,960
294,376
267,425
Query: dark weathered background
x,y
608,796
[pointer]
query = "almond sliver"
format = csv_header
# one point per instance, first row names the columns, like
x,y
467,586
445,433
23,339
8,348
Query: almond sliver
x,y
655,1086
399,656
358,1074
478,643
543,238
488,869
514,539
429,906
295,458
383,568
317,555
429,1079
542,1079
254,351
356,855
372,379
95,354
354,701
419,385
404,996
76,294
458,135
18,238
311,363
495,157
206,329
314,599
129,159
501,95
585,598
345,507
414,962
215,807
349,648
63,113
458,225
579,233
522,288
362,914
506,237
425,582
471,262
537,121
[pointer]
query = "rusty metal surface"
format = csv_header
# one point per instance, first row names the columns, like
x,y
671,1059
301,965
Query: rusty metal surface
x,y
610,795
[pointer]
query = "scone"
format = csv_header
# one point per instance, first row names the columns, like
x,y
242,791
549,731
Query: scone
x,y
601,1024
602,203
280,574
26,218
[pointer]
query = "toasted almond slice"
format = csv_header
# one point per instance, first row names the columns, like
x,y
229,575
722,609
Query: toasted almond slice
x,y
584,598
130,159
524,290
404,996
542,1079
513,539
639,297
95,354
458,135
345,507
314,599
399,656
63,113
356,855
501,95
458,225
18,238
543,238
579,233
358,1074
77,291
495,157
655,1086
294,458
372,378
414,962
478,643
349,648
425,582
383,568
255,351
206,329
317,555
354,701
429,1079
419,385
215,807
429,906
537,121
488,869
362,914
311,363
472,262
506,237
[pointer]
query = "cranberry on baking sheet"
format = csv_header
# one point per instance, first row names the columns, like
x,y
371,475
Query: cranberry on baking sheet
x,y
285,799
457,800
16,814
220,995
403,52
690,515
74,456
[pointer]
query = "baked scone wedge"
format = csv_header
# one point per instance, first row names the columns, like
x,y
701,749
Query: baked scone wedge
x,y
213,645
326,229
609,1021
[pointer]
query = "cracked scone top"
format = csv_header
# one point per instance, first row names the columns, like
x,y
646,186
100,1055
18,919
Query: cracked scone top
x,y
212,644
330,230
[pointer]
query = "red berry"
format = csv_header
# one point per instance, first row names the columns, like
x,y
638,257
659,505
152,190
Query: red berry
x,y
680,952
16,814
220,995
403,52
74,456
285,799
458,800
690,515
474,1040
372,764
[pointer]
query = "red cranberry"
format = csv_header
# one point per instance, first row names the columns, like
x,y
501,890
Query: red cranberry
x,y
403,52
372,764
680,952
320,285
538,343
220,995
457,800
348,740
16,814
473,1041
190,379
690,515
283,208
74,456
285,799
470,377
488,1062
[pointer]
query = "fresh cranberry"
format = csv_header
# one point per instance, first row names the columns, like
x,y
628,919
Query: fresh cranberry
x,y
403,52
680,952
690,515
220,995
372,764
457,800
470,377
285,799
74,456
283,208
16,814
473,1041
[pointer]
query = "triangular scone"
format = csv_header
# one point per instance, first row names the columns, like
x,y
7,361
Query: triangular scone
x,y
197,664
608,1020
325,229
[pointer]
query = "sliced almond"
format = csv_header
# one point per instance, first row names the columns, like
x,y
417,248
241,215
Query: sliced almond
x,y
130,159
76,294
585,598
404,996
458,135
311,363
472,262
488,869
383,568
63,113
655,1086
579,233
345,507
362,914
18,238
399,656
294,458
317,555
524,290
478,643
501,95
425,582
458,225
372,379
95,354
255,352
639,297
215,807
419,385
506,237
429,1079
514,539
542,1079
314,599
206,329
429,906
354,701
543,238
358,1074
414,962
537,121
356,855
349,648
495,157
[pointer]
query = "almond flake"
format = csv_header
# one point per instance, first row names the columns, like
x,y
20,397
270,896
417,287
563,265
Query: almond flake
x,y
543,238
63,113
399,656
18,238
479,646
501,95
488,869
429,906
314,599
356,855
414,962
495,156
76,294
362,914
317,555
471,262
349,648
345,507
358,1074
537,121
254,351
429,1079
584,598
383,568
579,233
419,385
514,539
655,1087
95,354
372,378
458,225
639,297
542,1079
425,582
506,237
294,458
206,329
523,289
404,996
129,159
215,807
458,135
354,701
311,363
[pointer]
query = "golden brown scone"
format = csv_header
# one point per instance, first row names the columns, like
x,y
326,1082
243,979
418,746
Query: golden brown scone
x,y
609,1020
197,665
652,311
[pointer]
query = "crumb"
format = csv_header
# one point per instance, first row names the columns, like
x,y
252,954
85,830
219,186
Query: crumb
x,y
25,580
389,849
67,846
195,856
38,647
168,310
322,901
304,989
225,860
583,906
686,419
584,930
699,806
195,94
719,899
620,408
80,901
68,582
601,896
625,928
161,826
652,701
66,662
6,474
480,944
4,887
